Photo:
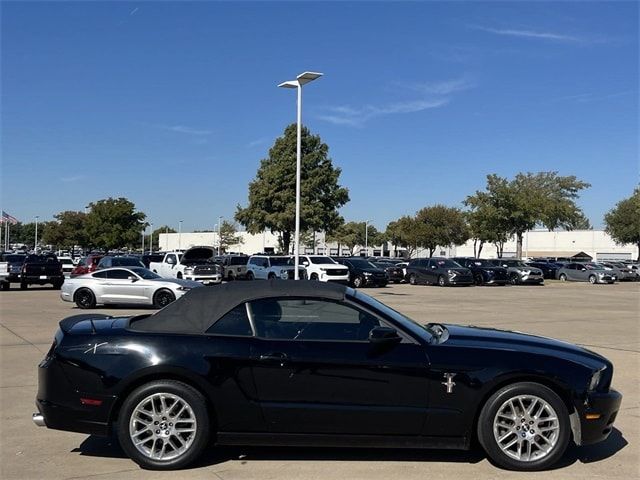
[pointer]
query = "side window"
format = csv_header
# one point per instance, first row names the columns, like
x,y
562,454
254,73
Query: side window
x,y
118,274
100,274
310,319
236,322
265,262
171,258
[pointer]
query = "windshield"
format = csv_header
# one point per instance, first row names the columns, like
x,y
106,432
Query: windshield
x,y
447,264
480,262
515,263
279,261
41,258
14,258
361,263
593,266
414,327
144,273
125,261
322,260
238,261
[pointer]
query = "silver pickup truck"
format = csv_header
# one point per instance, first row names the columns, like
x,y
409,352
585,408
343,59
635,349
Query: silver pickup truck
x,y
4,276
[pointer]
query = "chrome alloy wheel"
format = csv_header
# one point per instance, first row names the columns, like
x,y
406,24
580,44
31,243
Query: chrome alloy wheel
x,y
162,426
526,428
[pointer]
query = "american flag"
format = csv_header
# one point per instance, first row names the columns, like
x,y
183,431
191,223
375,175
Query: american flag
x,y
8,218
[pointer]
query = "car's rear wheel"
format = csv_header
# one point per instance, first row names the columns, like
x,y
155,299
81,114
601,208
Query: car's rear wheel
x,y
412,279
592,279
250,276
85,299
524,426
230,277
562,277
162,298
358,281
179,275
441,281
513,279
6,286
478,279
23,285
164,425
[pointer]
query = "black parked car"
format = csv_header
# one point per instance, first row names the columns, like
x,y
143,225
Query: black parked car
x,y
317,364
484,272
363,273
437,271
549,269
41,270
395,273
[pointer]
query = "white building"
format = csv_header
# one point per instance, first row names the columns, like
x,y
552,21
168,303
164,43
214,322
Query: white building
x,y
597,244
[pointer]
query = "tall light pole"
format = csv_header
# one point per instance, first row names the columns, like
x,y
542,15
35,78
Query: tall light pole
x,y
35,243
144,229
300,80
366,238
219,238
151,238
180,235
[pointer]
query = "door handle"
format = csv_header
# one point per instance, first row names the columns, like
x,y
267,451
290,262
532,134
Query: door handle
x,y
278,357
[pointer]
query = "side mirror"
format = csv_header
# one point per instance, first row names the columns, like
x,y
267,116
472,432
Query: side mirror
x,y
132,278
583,269
305,263
384,335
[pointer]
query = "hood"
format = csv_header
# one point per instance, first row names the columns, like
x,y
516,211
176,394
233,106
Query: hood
x,y
374,270
198,254
178,281
522,342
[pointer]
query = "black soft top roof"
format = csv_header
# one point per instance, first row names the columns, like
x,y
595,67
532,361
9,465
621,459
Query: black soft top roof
x,y
196,311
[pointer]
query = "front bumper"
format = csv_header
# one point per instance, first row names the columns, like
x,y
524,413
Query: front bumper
x,y
597,417
205,279
531,279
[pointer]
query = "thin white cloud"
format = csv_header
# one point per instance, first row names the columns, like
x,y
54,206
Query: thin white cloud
x,y
133,12
356,117
592,97
513,32
73,178
257,142
184,129
431,95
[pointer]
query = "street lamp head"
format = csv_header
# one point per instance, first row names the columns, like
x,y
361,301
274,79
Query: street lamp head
x,y
289,84
307,77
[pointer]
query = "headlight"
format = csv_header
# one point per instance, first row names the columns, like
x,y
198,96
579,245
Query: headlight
x,y
183,289
367,274
523,272
595,380
189,269
452,273
283,271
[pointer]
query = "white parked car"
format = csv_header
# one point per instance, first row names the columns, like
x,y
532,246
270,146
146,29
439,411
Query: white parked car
x,y
67,265
119,285
267,267
195,264
325,269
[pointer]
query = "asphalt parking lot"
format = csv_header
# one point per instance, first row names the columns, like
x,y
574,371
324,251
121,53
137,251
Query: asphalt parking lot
x,y
605,318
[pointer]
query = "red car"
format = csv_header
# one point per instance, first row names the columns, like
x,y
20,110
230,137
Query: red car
x,y
86,265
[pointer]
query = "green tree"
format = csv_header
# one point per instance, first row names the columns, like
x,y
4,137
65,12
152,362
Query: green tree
x,y
623,221
229,235
68,230
405,232
347,234
155,236
441,226
114,223
543,198
272,192
485,225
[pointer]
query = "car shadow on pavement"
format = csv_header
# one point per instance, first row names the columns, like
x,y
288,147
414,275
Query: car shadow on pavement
x,y
108,447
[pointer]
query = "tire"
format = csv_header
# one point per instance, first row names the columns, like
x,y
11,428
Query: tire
x,y
544,403
230,277
23,285
314,276
592,279
163,297
166,396
85,298
412,279
6,286
478,280
441,281
513,279
58,285
271,276
179,275
358,281
250,275
562,277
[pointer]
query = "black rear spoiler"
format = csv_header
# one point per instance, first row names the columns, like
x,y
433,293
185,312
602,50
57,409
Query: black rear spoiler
x,y
68,323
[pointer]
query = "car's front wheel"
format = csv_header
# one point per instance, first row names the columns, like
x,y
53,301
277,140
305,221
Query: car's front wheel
x,y
441,281
562,277
412,279
524,426
358,281
164,425
592,279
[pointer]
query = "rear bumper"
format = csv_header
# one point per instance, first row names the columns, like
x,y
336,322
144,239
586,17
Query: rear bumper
x,y
605,407
40,279
59,417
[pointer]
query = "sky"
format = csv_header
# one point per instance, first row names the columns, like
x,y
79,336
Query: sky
x,y
174,104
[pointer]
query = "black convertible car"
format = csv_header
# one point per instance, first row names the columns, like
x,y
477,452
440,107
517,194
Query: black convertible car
x,y
318,364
